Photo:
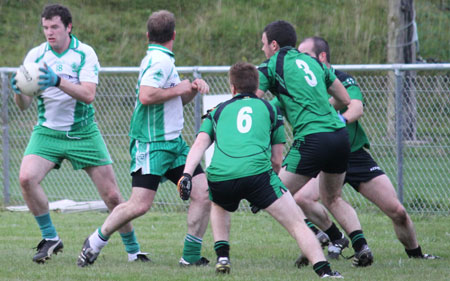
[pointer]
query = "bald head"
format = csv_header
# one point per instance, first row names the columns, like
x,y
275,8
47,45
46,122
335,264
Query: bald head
x,y
316,47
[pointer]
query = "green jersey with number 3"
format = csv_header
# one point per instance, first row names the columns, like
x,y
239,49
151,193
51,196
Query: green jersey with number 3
x,y
300,82
243,130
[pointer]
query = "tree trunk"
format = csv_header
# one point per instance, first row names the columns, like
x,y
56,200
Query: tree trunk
x,y
402,49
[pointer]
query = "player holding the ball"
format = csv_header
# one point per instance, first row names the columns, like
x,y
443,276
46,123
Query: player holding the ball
x,y
65,127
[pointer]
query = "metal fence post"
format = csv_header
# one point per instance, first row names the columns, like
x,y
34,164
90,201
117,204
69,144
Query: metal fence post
x,y
5,136
197,104
399,130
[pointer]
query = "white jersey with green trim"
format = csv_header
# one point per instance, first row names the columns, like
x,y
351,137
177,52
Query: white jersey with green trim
x,y
56,109
164,121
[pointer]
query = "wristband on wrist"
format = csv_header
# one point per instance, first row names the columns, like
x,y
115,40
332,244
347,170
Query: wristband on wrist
x,y
58,81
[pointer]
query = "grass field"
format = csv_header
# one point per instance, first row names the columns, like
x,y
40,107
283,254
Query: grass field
x,y
260,250
223,32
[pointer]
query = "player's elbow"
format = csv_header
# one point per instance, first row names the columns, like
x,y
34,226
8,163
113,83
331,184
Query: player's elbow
x,y
146,99
89,99
276,167
360,114
345,100
22,107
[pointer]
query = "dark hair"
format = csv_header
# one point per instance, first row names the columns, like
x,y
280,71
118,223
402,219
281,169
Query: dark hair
x,y
244,77
160,26
53,10
319,45
282,32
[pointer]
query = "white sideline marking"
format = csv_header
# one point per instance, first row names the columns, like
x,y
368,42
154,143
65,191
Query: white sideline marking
x,y
67,206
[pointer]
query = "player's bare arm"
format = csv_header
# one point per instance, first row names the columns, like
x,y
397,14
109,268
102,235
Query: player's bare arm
x,y
277,156
84,92
340,95
198,86
355,110
151,95
202,142
259,93
23,101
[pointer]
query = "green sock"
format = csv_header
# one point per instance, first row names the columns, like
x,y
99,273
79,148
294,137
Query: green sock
x,y
312,226
46,226
130,242
358,240
101,235
192,248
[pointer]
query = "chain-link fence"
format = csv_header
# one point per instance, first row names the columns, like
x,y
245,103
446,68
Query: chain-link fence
x,y
417,160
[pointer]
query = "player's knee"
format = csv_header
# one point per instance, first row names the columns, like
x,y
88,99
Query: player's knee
x,y
399,215
139,209
302,201
305,198
26,181
112,199
330,200
200,196
202,203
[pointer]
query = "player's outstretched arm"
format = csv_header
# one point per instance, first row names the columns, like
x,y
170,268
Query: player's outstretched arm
x,y
202,142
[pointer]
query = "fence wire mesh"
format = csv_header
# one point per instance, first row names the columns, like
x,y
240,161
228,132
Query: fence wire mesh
x,y
426,138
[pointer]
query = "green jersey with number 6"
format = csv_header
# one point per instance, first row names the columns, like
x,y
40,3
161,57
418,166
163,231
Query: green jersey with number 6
x,y
243,129
300,82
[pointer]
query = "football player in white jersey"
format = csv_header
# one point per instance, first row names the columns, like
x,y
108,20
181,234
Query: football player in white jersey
x,y
157,149
66,128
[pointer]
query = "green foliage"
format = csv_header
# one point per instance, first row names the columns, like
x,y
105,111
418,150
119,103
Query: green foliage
x,y
225,31
260,250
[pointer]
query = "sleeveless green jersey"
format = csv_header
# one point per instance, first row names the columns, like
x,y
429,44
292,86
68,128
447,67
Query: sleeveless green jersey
x,y
243,130
300,82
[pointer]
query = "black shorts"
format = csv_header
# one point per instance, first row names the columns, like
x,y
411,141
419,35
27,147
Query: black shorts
x,y
327,152
152,182
260,190
361,168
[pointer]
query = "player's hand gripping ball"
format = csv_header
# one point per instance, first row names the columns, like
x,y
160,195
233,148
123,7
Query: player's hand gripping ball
x,y
185,186
48,78
26,80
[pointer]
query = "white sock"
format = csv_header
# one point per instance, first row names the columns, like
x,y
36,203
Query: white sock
x,y
53,239
96,242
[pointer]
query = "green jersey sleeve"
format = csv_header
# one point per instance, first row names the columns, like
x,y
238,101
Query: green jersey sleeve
x,y
329,76
275,102
207,126
278,135
355,93
264,78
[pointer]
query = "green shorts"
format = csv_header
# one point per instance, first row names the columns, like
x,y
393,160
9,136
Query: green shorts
x,y
82,147
157,157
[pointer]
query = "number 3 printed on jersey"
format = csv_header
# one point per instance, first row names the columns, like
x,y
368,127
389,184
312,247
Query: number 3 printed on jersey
x,y
309,77
244,119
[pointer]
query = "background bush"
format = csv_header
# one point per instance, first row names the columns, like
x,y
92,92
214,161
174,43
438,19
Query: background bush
x,y
224,31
